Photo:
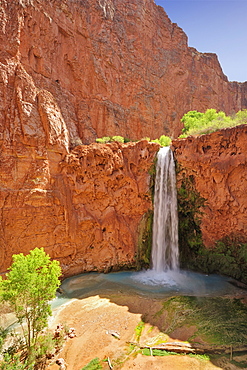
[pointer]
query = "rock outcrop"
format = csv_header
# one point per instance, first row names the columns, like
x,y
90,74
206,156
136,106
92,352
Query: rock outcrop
x,y
109,67
217,163
84,207
71,71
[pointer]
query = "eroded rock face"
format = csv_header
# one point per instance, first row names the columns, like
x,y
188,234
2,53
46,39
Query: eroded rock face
x,y
110,67
217,163
71,71
84,207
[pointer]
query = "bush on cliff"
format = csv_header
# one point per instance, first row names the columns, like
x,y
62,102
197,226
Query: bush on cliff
x,y
109,139
197,123
163,140
228,257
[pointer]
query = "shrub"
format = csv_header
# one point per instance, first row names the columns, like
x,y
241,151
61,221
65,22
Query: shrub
x,y
109,139
103,140
119,139
197,123
163,140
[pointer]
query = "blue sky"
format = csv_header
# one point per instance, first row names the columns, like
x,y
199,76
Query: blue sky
x,y
217,26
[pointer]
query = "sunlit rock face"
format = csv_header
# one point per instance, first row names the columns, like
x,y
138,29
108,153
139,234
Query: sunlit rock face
x,y
217,164
110,67
83,207
71,71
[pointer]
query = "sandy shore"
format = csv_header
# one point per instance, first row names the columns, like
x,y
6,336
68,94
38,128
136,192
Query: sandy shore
x,y
95,318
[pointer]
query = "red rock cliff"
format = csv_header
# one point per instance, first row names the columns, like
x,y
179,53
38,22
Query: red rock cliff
x,y
84,207
109,67
74,70
217,163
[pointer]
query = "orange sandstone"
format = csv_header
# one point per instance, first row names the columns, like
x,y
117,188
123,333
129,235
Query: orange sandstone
x,y
217,163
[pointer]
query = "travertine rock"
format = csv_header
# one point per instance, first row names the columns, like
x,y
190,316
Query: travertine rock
x,y
84,207
218,163
71,71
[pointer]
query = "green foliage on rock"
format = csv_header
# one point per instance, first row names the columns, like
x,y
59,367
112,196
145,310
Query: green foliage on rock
x,y
30,284
190,210
198,123
228,257
109,139
163,140
145,240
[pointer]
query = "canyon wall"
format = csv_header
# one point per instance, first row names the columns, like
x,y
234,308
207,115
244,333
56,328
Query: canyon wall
x,y
71,71
86,208
110,67
216,164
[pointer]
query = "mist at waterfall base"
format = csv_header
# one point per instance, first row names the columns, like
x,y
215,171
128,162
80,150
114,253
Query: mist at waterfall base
x,y
164,278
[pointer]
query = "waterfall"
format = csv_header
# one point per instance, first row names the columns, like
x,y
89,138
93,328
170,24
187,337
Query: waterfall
x,y
165,224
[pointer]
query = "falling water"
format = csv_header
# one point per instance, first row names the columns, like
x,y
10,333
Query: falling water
x,y
165,224
164,278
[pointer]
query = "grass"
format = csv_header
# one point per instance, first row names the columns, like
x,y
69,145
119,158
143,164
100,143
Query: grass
x,y
94,364
221,321
218,320
159,352
138,330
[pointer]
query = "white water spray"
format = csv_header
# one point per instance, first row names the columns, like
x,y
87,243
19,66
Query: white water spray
x,y
165,225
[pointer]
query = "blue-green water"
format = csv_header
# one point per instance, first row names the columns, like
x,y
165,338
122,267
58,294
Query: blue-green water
x,y
147,283
144,283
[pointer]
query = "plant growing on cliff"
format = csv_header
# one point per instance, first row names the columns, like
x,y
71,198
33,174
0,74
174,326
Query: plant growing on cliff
x,y
190,205
227,257
109,139
31,283
198,123
163,140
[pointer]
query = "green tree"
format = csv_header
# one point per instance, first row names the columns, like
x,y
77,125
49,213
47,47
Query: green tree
x,y
241,116
31,283
197,123
191,120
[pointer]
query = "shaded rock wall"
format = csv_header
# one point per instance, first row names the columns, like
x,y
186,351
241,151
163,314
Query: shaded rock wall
x,y
83,207
110,67
217,163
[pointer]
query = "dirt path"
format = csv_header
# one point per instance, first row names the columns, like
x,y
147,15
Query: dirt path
x,y
96,318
